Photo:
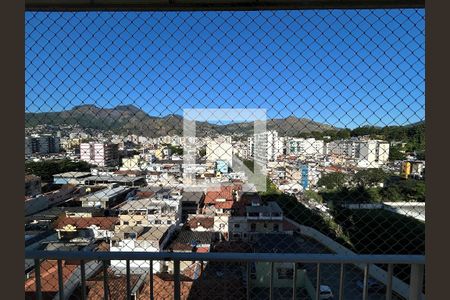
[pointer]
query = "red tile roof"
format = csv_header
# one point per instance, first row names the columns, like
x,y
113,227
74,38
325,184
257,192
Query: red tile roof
x,y
117,287
49,276
195,222
163,289
224,205
106,223
225,192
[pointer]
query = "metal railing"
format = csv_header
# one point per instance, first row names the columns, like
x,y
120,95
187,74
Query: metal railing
x,y
416,262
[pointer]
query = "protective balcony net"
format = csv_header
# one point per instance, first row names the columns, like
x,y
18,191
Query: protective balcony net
x,y
284,131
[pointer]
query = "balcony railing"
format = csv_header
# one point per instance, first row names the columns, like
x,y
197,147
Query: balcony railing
x,y
102,259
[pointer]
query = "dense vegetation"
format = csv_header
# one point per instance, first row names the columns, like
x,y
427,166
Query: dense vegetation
x,y
46,169
378,231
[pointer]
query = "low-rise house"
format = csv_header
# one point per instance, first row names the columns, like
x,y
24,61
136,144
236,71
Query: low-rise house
x,y
122,180
100,227
190,202
139,238
149,212
220,201
106,198
71,178
258,219
200,223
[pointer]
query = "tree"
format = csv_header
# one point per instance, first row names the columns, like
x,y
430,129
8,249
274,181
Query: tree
x,y
46,169
396,154
333,180
311,195
370,177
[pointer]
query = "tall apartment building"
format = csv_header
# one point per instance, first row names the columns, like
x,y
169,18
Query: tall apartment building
x,y
100,154
371,153
42,144
368,153
250,147
267,146
309,176
307,147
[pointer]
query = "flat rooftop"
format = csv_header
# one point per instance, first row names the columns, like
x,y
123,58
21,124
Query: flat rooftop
x,y
147,203
114,178
107,193
192,197
72,175
55,212
270,207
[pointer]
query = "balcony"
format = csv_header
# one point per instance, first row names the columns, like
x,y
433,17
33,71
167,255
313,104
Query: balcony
x,y
91,262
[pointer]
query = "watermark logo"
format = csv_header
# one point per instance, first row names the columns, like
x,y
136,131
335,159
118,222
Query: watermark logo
x,y
222,150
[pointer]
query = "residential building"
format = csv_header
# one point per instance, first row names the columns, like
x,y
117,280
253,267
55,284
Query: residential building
x,y
222,151
100,154
70,178
190,203
42,144
105,198
222,166
150,212
309,147
141,239
309,175
267,219
267,147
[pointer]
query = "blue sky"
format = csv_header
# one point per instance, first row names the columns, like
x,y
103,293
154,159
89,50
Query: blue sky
x,y
345,68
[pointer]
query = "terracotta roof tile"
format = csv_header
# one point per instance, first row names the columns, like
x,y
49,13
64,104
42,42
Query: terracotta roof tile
x,y
49,276
106,223
206,222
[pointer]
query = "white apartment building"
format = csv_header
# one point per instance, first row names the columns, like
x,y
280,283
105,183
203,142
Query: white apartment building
x,y
371,153
100,154
306,147
267,146
367,153
250,147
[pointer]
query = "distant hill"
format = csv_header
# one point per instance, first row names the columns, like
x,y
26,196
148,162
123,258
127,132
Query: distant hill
x,y
130,119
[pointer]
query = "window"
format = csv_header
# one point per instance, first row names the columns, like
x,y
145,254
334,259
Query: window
x,y
157,221
139,222
253,227
126,223
169,222
237,225
265,225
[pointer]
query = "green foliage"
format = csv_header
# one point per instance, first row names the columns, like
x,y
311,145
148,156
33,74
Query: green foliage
x,y
333,180
46,169
175,149
399,189
332,134
370,177
299,213
377,231
311,195
396,154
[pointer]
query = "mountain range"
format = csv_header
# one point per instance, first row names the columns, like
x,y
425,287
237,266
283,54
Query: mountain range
x,y
126,119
